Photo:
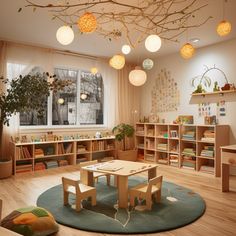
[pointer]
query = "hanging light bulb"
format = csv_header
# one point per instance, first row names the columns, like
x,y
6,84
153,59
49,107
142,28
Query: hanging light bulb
x,y
94,70
83,96
148,64
153,43
137,77
223,28
60,101
117,62
65,35
126,49
187,51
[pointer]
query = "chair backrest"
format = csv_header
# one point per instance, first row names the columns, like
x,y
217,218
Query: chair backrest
x,y
156,181
67,183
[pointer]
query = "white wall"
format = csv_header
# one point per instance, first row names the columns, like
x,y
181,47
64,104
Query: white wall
x,y
222,55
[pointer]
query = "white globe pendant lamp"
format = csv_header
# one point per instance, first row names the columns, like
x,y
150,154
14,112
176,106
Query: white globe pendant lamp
x,y
148,64
153,43
65,35
126,49
137,77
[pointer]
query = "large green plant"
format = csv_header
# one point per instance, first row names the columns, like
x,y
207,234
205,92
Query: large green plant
x,y
25,93
122,132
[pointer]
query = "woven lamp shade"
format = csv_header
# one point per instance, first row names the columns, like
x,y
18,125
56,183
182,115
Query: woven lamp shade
x,y
87,23
117,62
187,51
223,28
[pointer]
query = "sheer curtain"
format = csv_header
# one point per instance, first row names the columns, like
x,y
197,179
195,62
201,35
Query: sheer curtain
x,y
128,97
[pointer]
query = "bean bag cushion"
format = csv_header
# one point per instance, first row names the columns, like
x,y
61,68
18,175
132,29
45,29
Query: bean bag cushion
x,y
30,221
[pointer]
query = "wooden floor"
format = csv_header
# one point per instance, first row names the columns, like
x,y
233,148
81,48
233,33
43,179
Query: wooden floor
x,y
218,220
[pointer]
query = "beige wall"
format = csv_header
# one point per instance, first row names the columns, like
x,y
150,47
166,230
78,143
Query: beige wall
x,y
221,55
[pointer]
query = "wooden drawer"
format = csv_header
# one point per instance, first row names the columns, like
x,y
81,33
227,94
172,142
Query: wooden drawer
x,y
228,158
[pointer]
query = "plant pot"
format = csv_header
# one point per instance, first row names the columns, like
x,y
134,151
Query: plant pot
x,y
5,168
128,155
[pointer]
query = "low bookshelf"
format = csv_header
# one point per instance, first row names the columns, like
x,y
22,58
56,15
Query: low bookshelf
x,y
33,156
190,146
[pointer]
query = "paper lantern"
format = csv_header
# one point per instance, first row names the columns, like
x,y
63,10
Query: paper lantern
x,y
137,77
223,28
117,62
148,64
94,70
87,23
153,43
126,49
65,35
60,101
187,51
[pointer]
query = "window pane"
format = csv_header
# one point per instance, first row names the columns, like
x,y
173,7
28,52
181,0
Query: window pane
x,y
91,99
64,101
31,117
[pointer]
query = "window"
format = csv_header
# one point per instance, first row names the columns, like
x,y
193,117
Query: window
x,y
84,94
80,103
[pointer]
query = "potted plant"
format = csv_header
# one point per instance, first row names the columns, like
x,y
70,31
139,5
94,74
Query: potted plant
x,y
24,93
122,133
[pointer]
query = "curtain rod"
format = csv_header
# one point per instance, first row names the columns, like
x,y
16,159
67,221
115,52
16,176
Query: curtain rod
x,y
59,51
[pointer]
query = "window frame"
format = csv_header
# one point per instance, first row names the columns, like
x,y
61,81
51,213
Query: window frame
x,y
78,125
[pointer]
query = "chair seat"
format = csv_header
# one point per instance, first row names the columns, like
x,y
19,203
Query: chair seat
x,y
83,188
143,188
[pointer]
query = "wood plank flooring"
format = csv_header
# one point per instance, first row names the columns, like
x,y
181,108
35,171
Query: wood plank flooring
x,y
219,219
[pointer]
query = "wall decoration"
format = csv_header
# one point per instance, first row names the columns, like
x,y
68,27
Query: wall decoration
x,y
165,93
203,82
221,108
205,109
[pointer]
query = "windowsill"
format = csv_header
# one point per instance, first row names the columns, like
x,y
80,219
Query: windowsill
x,y
59,128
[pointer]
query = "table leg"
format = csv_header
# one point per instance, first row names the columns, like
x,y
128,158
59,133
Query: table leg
x,y
115,181
86,177
122,191
152,173
225,178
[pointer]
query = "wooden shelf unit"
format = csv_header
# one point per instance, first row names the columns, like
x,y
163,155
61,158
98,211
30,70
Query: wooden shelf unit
x,y
221,93
26,155
183,146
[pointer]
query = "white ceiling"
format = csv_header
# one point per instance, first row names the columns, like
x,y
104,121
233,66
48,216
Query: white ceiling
x,y
37,28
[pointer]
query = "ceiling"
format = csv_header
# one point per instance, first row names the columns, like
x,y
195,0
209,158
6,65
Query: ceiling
x,y
37,28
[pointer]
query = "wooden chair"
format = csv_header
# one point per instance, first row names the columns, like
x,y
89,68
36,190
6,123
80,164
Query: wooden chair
x,y
81,192
96,175
146,191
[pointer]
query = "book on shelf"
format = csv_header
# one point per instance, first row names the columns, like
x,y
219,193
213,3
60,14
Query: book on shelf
x,y
68,147
39,152
150,144
207,169
24,168
62,163
149,157
189,135
81,148
162,146
39,166
189,152
162,161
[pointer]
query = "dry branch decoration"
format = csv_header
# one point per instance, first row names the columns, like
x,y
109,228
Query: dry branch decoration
x,y
133,20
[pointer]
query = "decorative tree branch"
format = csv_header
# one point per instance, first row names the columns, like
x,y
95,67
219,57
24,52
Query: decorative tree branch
x,y
167,18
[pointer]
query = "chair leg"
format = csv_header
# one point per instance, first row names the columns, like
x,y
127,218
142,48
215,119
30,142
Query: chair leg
x,y
94,201
108,180
78,204
158,196
149,203
66,198
131,199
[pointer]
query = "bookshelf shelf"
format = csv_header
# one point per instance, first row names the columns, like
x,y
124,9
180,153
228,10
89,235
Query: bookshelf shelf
x,y
185,145
41,155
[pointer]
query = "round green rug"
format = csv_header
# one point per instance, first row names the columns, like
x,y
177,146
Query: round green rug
x,y
179,206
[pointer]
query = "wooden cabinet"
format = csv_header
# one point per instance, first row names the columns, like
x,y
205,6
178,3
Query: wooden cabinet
x,y
195,147
42,155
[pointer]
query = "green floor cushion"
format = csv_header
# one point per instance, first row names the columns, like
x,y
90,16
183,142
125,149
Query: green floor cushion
x,y
31,221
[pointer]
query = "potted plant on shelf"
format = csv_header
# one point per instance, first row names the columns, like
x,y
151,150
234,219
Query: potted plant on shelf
x,y
24,93
123,132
